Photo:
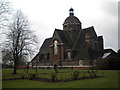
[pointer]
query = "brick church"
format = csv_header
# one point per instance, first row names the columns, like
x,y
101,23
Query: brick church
x,y
72,47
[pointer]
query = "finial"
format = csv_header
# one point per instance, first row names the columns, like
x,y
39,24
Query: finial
x,y
71,11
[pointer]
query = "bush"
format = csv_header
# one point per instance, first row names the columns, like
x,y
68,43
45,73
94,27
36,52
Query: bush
x,y
102,64
92,73
23,76
108,64
84,75
33,76
54,77
75,75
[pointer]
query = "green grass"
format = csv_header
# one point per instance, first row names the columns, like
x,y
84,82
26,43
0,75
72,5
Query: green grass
x,y
45,73
110,80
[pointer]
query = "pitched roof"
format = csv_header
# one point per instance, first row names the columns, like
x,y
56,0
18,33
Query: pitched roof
x,y
106,55
109,53
44,49
35,58
80,44
79,41
90,30
62,35
81,37
45,46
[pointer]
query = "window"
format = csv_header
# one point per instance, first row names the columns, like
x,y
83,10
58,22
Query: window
x,y
45,56
55,47
81,62
69,55
88,38
65,25
94,63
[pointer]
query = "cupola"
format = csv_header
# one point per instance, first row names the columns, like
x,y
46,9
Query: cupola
x,y
71,11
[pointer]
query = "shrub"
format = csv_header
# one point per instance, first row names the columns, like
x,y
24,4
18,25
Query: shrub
x,y
33,76
102,64
75,75
22,76
110,63
90,74
84,75
54,77
94,73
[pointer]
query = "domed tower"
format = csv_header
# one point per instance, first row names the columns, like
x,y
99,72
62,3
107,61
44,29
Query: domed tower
x,y
72,22
72,26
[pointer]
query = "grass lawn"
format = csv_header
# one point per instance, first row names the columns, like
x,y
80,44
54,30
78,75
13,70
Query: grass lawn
x,y
110,80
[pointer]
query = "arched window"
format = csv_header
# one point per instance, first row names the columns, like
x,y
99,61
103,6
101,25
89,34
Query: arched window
x,y
69,55
55,47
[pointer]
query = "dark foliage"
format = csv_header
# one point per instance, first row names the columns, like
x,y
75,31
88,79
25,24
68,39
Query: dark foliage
x,y
75,75
33,76
54,77
108,64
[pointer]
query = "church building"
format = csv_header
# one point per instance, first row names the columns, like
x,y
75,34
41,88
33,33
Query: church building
x,y
72,47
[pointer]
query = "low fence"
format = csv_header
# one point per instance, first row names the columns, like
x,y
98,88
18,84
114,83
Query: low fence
x,y
68,64
24,67
63,67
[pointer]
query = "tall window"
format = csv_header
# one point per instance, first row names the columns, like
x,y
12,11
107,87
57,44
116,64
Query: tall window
x,y
69,55
55,47
94,63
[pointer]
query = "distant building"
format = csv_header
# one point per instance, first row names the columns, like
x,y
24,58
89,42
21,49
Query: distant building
x,y
72,47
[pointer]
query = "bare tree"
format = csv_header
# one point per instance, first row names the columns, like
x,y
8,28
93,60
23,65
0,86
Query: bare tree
x,y
21,40
7,59
4,12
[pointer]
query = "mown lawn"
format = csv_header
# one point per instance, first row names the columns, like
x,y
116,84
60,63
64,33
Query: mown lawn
x,y
44,73
110,80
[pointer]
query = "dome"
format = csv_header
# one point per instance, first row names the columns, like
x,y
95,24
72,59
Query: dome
x,y
72,20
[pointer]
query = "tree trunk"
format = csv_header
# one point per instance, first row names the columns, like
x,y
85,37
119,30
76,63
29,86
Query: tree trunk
x,y
14,71
15,66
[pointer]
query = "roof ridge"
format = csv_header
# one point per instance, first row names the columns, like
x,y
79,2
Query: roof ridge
x,y
58,29
88,27
61,35
77,39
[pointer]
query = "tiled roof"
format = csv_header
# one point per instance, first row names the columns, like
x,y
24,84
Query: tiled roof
x,y
80,45
45,46
81,37
109,53
71,19
62,36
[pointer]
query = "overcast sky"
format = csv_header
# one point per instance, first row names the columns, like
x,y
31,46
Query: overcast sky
x,y
46,15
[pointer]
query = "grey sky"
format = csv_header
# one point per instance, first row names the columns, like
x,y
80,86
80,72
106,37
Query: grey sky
x,y
46,15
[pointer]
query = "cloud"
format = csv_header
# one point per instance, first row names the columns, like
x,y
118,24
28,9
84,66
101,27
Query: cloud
x,y
110,8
